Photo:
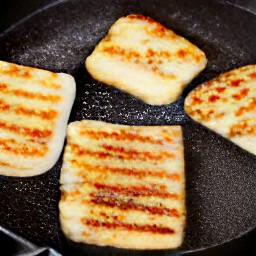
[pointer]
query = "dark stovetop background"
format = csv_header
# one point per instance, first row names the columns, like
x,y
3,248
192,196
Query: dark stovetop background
x,y
12,11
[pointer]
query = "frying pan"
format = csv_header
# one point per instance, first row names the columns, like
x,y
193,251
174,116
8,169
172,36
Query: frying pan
x,y
220,177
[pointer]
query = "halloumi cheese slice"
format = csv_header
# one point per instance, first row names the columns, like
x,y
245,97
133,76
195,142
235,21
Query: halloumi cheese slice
x,y
227,105
35,105
145,59
123,186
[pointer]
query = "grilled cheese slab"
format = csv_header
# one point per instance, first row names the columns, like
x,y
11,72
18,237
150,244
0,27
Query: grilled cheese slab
x,y
145,59
227,105
123,186
34,109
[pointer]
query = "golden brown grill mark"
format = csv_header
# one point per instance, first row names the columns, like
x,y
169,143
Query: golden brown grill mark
x,y
182,53
151,57
206,115
11,146
157,57
17,71
246,109
21,110
242,94
53,85
43,114
136,190
156,29
30,95
79,151
162,74
185,52
141,173
157,54
196,100
2,163
252,75
5,164
197,57
73,193
125,53
141,17
220,89
27,73
32,132
130,205
245,127
4,106
160,31
124,135
3,86
127,226
121,153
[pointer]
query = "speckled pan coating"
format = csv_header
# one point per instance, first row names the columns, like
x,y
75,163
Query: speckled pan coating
x,y
221,178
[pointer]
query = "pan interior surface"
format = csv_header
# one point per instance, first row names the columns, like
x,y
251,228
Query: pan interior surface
x,y
221,178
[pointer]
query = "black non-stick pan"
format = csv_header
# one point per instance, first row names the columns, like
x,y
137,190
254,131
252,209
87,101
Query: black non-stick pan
x,y
220,177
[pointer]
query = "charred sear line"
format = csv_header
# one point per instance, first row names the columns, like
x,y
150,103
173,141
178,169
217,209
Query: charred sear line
x,y
141,173
127,226
121,153
136,190
135,154
130,205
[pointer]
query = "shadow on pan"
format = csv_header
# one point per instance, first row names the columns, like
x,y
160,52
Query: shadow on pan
x,y
221,178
